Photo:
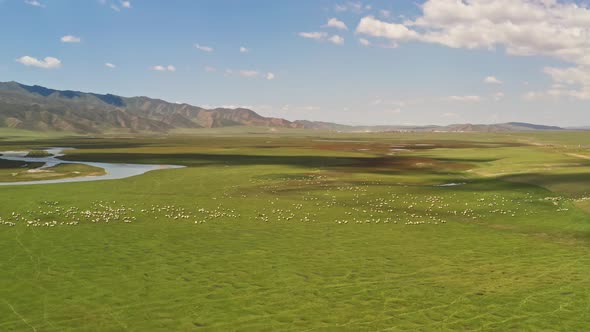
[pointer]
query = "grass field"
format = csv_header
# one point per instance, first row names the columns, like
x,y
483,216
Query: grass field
x,y
15,171
302,230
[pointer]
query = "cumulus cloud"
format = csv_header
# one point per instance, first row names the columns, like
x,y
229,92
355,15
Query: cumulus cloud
x,y
47,63
110,65
570,82
161,68
204,48
70,39
313,35
126,4
34,3
335,23
270,76
463,99
492,80
322,36
373,27
364,42
336,40
576,75
558,29
244,50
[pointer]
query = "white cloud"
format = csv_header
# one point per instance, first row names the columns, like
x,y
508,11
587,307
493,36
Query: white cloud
x,y
373,27
499,96
204,48
559,29
210,69
463,99
313,35
492,80
352,6
385,13
244,50
161,68
117,7
570,82
47,63
249,73
70,39
336,40
34,3
110,65
322,36
364,42
570,76
335,23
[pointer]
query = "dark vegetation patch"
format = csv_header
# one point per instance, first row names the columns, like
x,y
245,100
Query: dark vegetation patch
x,y
368,164
38,90
387,146
38,154
7,164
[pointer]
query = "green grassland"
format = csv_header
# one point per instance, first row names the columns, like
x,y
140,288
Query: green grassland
x,y
15,171
302,230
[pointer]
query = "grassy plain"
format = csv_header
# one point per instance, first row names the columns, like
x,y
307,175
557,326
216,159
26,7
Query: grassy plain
x,y
16,171
301,230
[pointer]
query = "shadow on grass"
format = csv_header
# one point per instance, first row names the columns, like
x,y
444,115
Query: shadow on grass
x,y
390,164
79,143
574,184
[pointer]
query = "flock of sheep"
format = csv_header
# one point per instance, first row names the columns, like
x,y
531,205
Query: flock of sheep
x,y
353,204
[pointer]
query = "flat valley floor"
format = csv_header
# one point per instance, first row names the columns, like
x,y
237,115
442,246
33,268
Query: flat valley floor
x,y
301,231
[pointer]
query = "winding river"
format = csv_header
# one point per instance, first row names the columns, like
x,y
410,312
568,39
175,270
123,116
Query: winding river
x,y
113,171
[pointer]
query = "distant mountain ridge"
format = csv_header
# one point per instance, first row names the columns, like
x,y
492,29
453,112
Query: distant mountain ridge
x,y
40,108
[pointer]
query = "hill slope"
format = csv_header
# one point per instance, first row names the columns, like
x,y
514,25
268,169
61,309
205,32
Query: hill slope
x,y
40,108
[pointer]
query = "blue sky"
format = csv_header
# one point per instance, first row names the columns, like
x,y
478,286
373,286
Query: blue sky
x,y
377,62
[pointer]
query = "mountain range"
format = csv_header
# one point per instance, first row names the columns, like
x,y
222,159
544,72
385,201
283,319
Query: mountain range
x,y
40,108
